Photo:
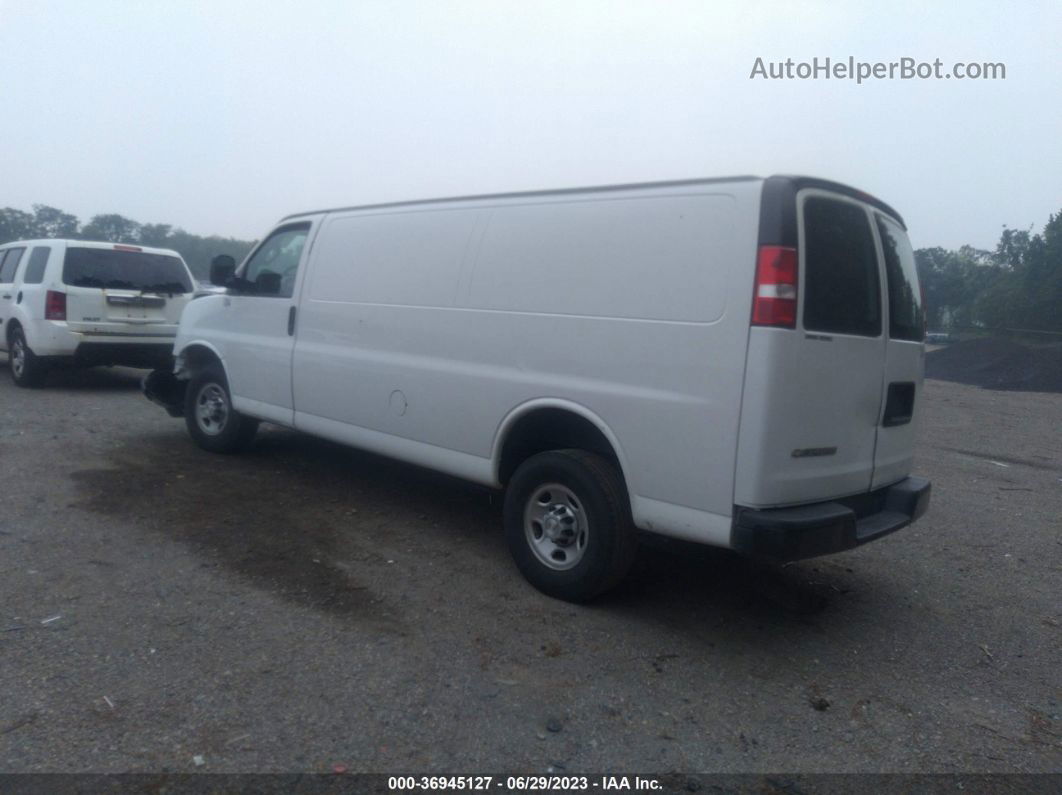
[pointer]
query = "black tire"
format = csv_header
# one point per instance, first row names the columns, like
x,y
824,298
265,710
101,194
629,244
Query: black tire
x,y
595,503
27,370
225,430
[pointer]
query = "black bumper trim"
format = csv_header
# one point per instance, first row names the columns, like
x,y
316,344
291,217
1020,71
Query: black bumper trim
x,y
806,531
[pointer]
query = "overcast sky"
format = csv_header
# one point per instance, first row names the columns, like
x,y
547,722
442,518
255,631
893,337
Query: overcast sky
x,y
220,117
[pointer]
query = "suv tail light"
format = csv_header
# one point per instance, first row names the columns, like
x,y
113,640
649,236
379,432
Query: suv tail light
x,y
774,300
54,305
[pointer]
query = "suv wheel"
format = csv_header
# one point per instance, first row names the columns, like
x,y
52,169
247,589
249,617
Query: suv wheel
x,y
568,524
212,421
26,369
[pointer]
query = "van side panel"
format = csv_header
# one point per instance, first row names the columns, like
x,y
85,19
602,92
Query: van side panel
x,y
638,259
634,305
378,335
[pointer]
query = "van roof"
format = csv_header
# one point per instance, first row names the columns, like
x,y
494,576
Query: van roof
x,y
796,181
71,243
520,194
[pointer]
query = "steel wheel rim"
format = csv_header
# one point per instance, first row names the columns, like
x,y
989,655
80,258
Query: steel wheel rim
x,y
18,357
211,409
556,526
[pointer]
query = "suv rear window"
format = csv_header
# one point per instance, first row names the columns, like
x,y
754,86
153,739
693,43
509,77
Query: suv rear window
x,y
905,296
37,262
125,270
842,292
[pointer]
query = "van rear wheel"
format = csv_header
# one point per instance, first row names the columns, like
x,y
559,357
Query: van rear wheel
x,y
26,369
212,421
568,524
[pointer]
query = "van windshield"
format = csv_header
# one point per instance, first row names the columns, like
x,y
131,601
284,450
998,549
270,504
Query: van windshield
x,y
125,270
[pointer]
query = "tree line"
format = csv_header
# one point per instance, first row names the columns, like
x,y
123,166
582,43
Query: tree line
x,y
47,221
1018,285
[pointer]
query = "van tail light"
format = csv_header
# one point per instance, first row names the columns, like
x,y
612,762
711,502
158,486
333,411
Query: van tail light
x,y
54,305
774,300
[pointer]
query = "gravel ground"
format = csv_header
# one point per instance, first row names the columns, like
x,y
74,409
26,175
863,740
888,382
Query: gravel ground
x,y
307,605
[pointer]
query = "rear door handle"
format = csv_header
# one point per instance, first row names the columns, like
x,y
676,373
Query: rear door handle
x,y
7,297
899,403
291,322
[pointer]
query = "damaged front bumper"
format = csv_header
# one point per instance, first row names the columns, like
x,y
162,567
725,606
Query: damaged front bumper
x,y
166,389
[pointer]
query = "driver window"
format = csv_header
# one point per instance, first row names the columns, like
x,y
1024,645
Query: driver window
x,y
273,267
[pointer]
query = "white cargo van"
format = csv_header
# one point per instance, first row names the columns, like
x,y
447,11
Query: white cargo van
x,y
736,362
77,302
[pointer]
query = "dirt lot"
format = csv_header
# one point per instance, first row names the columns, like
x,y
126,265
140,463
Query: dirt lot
x,y
999,363
307,605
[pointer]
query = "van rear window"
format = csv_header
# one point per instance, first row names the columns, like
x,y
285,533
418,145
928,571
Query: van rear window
x,y
842,292
905,296
125,270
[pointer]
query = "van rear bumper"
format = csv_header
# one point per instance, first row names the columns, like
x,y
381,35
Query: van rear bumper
x,y
806,531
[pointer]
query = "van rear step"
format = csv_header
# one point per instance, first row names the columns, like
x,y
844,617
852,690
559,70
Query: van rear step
x,y
806,531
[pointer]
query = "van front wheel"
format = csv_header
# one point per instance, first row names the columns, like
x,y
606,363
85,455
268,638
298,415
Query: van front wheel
x,y
568,525
212,421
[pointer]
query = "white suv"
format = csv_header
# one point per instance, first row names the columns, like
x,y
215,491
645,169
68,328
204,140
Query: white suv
x,y
75,302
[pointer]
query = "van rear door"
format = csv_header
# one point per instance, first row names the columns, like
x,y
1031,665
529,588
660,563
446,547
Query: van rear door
x,y
124,290
904,355
813,384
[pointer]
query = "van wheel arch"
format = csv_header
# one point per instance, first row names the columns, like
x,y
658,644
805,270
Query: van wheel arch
x,y
551,428
197,358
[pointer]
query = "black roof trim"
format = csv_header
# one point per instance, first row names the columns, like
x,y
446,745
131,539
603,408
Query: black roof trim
x,y
532,193
844,190
778,224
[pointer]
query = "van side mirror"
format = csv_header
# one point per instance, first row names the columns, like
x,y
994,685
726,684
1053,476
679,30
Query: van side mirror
x,y
222,270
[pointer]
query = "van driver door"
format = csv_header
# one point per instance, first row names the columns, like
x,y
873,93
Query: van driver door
x,y
257,328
